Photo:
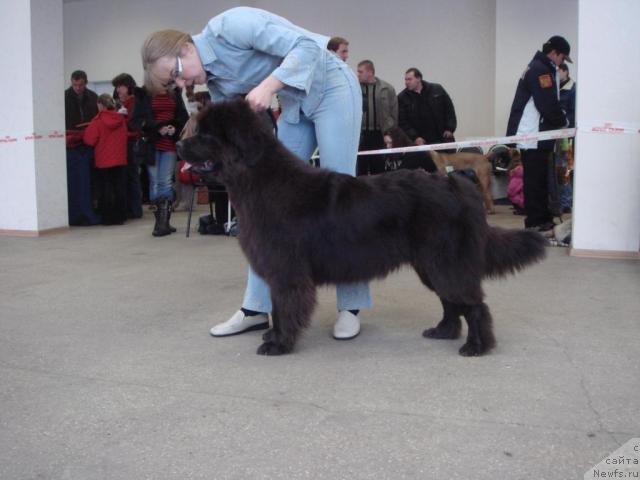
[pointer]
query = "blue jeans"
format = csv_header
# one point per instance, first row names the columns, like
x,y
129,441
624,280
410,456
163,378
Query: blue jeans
x,y
79,162
335,128
161,176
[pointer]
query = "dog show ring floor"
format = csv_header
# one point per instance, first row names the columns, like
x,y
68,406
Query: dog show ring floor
x,y
108,370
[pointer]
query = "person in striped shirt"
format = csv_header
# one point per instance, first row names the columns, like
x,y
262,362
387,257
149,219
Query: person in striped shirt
x,y
161,115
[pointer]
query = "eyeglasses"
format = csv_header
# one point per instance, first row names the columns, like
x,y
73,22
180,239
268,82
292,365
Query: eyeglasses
x,y
175,74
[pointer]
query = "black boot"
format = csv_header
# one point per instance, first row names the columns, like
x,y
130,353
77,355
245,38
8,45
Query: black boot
x,y
171,228
161,228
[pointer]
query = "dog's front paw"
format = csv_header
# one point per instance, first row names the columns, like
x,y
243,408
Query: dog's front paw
x,y
272,348
269,335
472,350
441,333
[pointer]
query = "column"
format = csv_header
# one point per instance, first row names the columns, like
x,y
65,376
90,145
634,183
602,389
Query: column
x,y
32,148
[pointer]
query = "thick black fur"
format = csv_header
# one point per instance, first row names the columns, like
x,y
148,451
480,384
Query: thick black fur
x,y
302,226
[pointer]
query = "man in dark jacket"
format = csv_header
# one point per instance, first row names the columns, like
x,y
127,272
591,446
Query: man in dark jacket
x,y
80,105
426,112
536,108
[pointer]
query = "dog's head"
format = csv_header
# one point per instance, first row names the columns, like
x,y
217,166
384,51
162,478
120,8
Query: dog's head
x,y
227,136
503,158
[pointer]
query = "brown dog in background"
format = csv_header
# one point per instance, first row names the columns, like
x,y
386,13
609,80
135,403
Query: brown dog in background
x,y
475,161
483,165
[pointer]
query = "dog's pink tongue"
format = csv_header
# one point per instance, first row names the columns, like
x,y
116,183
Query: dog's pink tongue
x,y
185,167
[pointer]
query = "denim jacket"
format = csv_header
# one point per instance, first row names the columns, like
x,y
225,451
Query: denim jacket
x,y
242,46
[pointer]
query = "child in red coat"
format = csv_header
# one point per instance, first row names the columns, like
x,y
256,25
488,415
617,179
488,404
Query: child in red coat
x,y
107,133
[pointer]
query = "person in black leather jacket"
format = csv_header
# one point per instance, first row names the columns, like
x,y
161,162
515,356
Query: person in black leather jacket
x,y
426,112
80,106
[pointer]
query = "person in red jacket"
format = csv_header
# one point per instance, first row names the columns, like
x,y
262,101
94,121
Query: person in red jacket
x,y
107,133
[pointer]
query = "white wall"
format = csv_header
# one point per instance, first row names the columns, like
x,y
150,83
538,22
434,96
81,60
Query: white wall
x,y
18,207
451,42
32,172
50,154
607,181
522,26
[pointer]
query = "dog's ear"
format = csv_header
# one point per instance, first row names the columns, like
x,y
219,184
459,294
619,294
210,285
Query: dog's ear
x,y
249,132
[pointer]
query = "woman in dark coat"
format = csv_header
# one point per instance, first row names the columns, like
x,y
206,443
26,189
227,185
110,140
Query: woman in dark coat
x,y
160,119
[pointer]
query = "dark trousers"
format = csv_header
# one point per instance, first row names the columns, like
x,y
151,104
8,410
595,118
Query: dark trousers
x,y
112,194
144,183
79,162
221,205
370,164
133,188
536,191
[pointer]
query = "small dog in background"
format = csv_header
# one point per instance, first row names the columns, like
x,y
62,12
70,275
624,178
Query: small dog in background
x,y
499,158
468,160
503,158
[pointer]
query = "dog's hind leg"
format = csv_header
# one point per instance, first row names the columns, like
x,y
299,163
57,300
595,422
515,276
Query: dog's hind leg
x,y
461,294
292,308
450,325
480,337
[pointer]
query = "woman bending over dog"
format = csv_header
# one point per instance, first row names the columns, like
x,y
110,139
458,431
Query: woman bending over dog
x,y
253,53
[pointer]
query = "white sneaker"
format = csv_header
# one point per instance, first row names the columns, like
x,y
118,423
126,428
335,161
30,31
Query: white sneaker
x,y
240,323
347,326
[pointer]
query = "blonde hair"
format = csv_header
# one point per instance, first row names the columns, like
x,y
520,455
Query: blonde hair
x,y
164,43
106,101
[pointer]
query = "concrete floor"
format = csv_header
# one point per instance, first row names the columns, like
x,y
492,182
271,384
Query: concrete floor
x,y
107,370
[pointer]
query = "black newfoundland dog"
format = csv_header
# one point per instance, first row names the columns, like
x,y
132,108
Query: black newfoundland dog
x,y
301,227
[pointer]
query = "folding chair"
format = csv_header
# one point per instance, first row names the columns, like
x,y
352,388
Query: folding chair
x,y
211,188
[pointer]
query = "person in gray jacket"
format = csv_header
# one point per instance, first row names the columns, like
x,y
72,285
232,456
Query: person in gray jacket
x,y
379,114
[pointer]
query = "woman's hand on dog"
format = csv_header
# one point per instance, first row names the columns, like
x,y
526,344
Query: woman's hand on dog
x,y
259,98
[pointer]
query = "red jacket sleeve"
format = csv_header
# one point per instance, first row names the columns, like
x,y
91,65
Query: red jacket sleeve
x,y
92,133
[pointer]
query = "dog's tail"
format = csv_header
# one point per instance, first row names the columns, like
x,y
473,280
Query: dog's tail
x,y
509,251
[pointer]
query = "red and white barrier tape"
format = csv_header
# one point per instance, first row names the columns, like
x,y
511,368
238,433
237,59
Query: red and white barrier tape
x,y
609,127
484,142
590,127
32,137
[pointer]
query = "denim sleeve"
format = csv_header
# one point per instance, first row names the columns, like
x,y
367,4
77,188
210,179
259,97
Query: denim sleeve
x,y
248,28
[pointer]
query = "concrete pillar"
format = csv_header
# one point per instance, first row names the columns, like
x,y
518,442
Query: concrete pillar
x,y
33,178
606,220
